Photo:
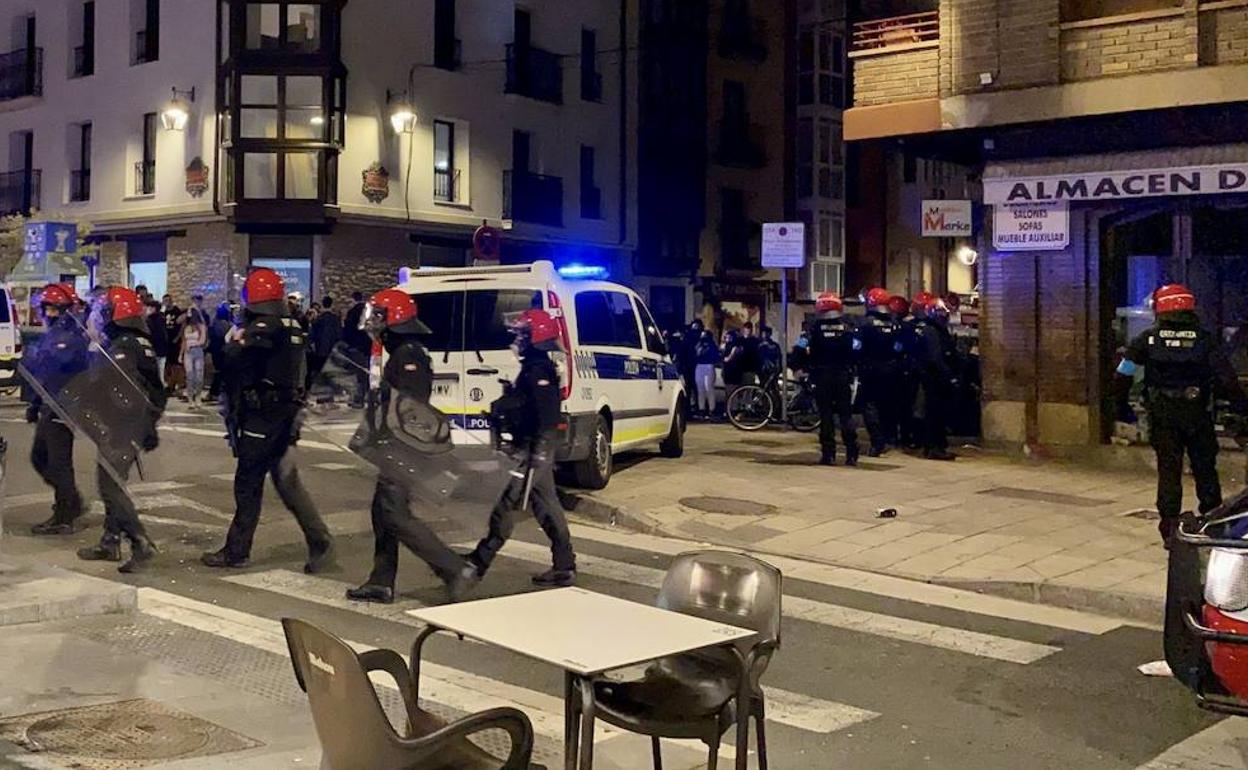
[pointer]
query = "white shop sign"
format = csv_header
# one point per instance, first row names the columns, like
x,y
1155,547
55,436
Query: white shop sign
x,y
784,244
1031,227
946,218
1221,179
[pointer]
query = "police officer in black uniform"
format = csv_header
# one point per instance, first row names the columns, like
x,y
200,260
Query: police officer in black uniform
x,y
125,374
391,317
1183,371
58,357
935,357
532,413
264,383
909,430
880,370
834,349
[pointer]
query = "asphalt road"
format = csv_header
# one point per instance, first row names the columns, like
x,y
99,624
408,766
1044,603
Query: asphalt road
x,y
873,673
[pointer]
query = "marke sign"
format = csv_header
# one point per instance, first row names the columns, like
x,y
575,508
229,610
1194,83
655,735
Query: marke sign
x,y
1143,183
1031,227
945,218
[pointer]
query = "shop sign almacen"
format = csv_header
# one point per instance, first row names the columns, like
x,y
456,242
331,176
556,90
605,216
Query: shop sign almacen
x,y
1141,183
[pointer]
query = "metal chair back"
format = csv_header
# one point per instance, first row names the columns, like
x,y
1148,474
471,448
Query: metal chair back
x,y
726,587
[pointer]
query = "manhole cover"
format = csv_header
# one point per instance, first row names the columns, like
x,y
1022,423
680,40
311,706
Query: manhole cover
x,y
1057,498
119,736
730,506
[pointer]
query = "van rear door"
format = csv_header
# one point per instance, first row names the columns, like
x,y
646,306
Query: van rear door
x,y
488,358
443,312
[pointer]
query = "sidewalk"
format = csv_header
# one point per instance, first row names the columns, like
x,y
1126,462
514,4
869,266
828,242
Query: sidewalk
x,y
1050,531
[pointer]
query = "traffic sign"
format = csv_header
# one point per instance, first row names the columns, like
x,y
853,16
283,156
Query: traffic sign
x,y
784,244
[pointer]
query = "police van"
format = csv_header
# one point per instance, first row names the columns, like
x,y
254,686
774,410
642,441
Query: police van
x,y
10,340
620,388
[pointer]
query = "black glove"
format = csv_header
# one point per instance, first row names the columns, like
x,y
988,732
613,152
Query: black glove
x,y
32,413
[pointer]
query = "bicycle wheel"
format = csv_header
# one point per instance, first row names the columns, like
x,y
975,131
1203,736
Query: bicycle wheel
x,y
803,410
749,407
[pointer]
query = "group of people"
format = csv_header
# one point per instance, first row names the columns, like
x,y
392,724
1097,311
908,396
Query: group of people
x,y
263,362
743,357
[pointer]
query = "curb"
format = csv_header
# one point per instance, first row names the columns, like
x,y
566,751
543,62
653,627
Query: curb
x,y
1137,608
37,594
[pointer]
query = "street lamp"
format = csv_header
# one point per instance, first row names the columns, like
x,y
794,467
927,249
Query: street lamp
x,y
967,255
402,114
178,111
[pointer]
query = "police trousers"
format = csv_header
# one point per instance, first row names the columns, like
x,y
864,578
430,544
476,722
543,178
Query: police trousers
x,y
1178,426
52,455
544,499
121,518
881,404
937,402
264,450
393,523
833,396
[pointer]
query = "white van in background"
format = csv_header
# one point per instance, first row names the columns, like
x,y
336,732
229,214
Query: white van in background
x,y
620,388
10,340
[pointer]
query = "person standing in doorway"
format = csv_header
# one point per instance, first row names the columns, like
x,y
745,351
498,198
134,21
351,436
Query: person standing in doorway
x,y
158,333
359,348
326,333
707,357
194,342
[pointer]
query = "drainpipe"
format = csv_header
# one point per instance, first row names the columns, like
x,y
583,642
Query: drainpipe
x,y
624,54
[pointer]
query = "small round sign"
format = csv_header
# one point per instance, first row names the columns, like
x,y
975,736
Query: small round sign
x,y
476,394
784,231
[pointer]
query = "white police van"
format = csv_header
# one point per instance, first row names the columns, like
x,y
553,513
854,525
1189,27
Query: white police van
x,y
10,340
620,388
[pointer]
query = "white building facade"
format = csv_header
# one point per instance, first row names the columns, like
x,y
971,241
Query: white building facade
x,y
335,141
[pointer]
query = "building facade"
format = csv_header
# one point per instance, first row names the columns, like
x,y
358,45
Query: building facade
x,y
334,141
1104,148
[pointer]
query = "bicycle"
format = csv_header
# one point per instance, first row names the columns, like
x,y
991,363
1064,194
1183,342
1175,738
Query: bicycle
x,y
753,407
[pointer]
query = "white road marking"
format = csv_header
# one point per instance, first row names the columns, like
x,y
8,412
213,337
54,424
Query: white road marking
x,y
880,585
137,488
792,709
334,466
902,629
220,433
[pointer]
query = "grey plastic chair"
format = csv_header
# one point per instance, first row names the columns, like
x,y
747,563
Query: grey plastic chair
x,y
353,728
695,695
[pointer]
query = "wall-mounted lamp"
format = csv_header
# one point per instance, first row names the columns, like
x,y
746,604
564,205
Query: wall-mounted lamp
x,y
178,111
967,255
402,114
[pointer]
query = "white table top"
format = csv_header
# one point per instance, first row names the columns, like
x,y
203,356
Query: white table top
x,y
578,630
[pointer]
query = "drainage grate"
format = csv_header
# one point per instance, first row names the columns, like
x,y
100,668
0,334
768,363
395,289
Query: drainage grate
x,y
119,736
730,506
1057,498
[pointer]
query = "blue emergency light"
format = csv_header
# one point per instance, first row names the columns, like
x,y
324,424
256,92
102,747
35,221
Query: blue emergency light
x,y
575,270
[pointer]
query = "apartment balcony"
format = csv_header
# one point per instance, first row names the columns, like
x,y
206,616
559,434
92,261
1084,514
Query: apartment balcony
x,y
145,48
145,177
446,185
743,37
741,145
21,73
896,59
84,61
533,198
535,73
80,185
19,192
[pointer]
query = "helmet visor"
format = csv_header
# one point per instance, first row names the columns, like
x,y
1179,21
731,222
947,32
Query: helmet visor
x,y
373,320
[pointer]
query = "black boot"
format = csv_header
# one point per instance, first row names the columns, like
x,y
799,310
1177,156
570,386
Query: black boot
x,y
108,549
142,551
60,523
828,457
555,578
851,456
222,560
939,454
462,583
320,559
1167,527
371,592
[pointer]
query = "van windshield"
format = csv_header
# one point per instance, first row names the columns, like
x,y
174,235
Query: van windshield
x,y
474,320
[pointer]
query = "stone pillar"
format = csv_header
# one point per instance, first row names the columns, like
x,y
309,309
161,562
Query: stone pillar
x,y
362,258
202,262
112,268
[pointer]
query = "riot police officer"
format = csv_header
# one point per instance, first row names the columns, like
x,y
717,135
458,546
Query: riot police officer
x,y
1183,371
879,370
908,429
935,353
834,349
533,417
124,367
264,372
391,318
58,357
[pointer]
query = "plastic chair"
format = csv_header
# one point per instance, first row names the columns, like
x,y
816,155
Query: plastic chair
x,y
356,734
694,695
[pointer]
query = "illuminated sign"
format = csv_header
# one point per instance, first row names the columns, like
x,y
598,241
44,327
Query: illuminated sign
x,y
944,219
1031,227
1142,183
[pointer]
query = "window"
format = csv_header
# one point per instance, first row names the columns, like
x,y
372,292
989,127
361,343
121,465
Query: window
x,y
805,157
84,54
145,169
654,336
591,194
445,175
806,65
591,81
80,177
831,68
145,15
446,50
291,27
473,320
606,319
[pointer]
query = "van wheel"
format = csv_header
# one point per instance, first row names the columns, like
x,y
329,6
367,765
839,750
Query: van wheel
x,y
674,445
595,470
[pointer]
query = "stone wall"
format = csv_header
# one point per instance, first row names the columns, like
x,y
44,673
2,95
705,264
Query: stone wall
x,y
1224,35
880,78
112,268
1129,45
362,258
205,261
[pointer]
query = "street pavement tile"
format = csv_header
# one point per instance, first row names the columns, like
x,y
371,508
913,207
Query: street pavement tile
x,y
1106,548
990,565
1151,584
1058,564
1027,552
832,551
790,523
910,546
929,563
889,531
1108,574
753,533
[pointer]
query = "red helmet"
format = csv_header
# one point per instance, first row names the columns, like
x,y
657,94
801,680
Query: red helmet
x,y
876,297
829,302
922,300
898,305
124,308
395,310
264,292
1172,298
60,295
539,326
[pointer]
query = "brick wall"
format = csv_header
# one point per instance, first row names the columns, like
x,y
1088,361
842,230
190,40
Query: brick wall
x,y
1013,41
896,77
1224,36
1129,47
361,258
204,261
